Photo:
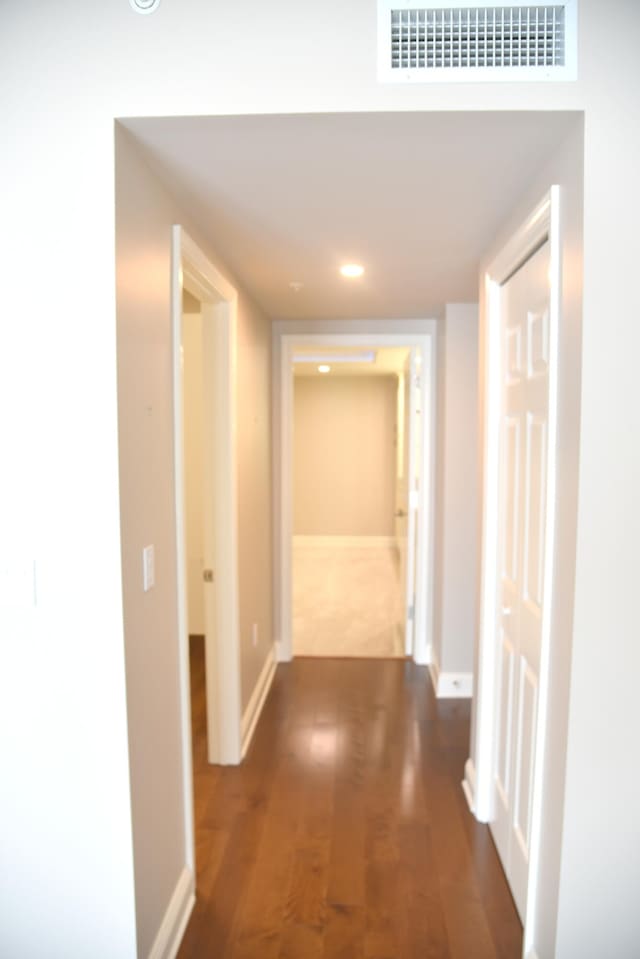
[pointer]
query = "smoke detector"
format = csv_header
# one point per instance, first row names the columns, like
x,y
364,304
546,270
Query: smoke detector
x,y
144,6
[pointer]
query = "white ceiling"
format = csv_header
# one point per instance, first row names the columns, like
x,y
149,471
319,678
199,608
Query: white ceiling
x,y
415,197
387,361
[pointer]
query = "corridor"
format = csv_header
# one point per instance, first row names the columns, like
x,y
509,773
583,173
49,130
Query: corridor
x,y
345,833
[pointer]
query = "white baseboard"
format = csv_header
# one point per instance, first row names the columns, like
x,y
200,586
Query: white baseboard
x,y
281,655
361,542
172,927
451,685
469,784
423,656
258,697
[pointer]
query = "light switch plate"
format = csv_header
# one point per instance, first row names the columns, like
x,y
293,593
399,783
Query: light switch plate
x,y
148,568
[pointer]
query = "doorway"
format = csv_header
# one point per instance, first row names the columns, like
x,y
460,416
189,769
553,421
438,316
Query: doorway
x,y
413,551
349,464
522,311
214,483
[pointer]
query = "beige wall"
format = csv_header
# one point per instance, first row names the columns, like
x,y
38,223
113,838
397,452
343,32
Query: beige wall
x,y
193,464
456,489
344,455
254,491
145,212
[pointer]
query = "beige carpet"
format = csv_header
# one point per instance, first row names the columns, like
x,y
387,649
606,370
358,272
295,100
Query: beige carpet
x,y
347,601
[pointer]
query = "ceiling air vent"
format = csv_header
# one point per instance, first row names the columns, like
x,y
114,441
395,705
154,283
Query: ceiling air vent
x,y
456,42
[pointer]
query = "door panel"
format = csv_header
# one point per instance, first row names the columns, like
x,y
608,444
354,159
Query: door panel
x,y
523,471
503,772
511,546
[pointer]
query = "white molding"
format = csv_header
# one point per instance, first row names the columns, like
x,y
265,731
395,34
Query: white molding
x,y
258,698
469,784
391,332
184,671
344,542
174,922
539,757
532,954
192,270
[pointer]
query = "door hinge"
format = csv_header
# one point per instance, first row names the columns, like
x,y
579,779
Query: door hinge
x,y
411,613
207,575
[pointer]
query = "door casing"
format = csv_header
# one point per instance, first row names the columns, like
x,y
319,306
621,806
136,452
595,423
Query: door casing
x,y
192,270
359,333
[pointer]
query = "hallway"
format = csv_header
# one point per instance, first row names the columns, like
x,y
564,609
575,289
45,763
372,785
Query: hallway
x,y
345,833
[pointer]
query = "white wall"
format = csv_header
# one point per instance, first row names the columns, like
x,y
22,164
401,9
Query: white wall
x,y
344,461
193,467
457,490
63,664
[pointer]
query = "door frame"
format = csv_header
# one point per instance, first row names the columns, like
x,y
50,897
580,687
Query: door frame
x,y
193,271
543,223
421,333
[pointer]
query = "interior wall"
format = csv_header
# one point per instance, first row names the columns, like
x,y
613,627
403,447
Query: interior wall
x,y
255,547
145,212
566,169
344,455
457,489
193,464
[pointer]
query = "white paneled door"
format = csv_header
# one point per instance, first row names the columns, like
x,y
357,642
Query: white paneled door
x,y
524,313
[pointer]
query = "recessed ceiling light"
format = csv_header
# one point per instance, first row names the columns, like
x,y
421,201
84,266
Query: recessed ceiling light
x,y
323,368
352,270
296,285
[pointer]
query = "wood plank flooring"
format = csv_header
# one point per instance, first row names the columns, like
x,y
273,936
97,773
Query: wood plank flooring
x,y
345,833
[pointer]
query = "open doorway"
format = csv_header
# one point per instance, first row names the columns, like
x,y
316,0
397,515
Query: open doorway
x,y
356,487
205,484
354,440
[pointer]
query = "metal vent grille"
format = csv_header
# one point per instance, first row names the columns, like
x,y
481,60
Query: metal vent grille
x,y
425,42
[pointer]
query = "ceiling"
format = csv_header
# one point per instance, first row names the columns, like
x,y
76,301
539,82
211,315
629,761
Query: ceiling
x,y
388,360
414,197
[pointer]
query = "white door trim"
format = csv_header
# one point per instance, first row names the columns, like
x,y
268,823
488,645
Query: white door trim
x,y
543,223
193,271
351,333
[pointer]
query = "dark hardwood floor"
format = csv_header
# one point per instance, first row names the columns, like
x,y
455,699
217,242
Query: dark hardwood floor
x,y
345,833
